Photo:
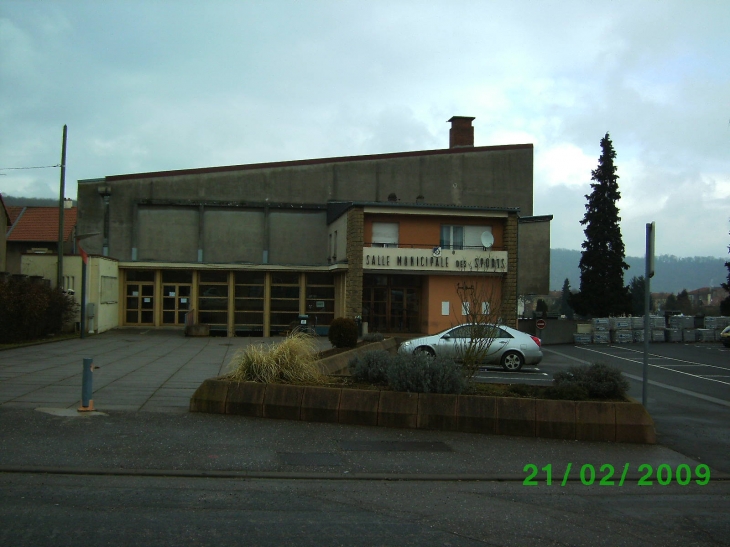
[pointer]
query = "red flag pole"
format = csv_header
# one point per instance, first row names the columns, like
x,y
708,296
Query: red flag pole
x,y
84,261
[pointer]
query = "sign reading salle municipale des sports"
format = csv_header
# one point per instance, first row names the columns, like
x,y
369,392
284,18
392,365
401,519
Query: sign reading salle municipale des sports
x,y
447,260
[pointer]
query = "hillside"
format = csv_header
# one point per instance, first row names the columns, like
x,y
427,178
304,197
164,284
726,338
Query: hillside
x,y
672,273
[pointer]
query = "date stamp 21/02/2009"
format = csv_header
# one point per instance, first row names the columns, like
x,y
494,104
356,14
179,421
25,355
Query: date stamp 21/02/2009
x,y
607,476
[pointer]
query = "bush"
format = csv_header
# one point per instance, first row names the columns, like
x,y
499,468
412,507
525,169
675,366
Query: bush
x,y
371,366
568,392
600,381
343,333
30,310
291,361
373,337
421,373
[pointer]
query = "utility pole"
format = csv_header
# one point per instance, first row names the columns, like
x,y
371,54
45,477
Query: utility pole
x,y
648,274
61,205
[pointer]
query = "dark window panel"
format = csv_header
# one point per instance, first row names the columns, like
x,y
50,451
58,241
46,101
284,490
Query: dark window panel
x,y
140,275
177,276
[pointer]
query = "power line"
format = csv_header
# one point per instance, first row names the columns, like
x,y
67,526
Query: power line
x,y
39,167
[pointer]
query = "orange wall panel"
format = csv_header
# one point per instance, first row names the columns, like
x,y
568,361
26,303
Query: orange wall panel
x,y
442,288
425,231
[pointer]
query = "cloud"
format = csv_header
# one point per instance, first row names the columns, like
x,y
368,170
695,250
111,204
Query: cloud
x,y
150,86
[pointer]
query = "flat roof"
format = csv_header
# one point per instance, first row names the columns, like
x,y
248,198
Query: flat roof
x,y
317,161
335,209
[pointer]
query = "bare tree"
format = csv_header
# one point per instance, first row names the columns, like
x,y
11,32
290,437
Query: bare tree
x,y
480,298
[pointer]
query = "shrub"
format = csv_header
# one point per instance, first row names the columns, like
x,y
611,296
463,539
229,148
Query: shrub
x,y
371,366
373,337
291,361
599,380
343,333
30,310
421,373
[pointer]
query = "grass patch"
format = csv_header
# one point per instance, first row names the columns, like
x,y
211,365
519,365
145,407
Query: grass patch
x,y
292,361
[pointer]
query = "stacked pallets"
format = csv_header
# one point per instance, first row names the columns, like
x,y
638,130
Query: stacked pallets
x,y
619,330
716,324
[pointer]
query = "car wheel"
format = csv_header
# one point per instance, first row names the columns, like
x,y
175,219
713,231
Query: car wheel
x,y
426,350
512,361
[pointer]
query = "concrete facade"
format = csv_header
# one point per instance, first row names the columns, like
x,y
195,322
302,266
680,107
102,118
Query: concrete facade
x,y
498,176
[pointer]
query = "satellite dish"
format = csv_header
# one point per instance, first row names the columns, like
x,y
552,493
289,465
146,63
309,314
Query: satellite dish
x,y
487,239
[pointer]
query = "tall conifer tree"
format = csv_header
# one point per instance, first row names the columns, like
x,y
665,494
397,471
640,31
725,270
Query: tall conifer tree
x,y
602,291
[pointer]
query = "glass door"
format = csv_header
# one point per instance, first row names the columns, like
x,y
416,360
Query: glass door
x,y
391,303
175,303
140,302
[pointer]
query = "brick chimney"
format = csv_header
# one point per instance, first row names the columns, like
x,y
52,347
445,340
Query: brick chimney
x,y
461,133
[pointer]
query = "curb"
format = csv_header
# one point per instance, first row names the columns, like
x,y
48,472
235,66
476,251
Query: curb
x,y
283,475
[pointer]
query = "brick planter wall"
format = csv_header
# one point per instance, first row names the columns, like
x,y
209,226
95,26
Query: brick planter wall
x,y
594,421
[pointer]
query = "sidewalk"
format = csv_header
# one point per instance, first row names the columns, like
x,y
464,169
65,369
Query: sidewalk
x,y
142,392
139,370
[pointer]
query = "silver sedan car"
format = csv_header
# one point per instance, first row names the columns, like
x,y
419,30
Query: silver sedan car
x,y
500,344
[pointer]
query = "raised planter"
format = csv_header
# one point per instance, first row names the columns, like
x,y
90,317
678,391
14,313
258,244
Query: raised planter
x,y
337,364
594,421
575,420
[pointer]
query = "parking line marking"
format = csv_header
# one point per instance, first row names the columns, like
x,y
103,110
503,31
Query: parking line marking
x,y
512,378
665,368
655,355
652,382
681,360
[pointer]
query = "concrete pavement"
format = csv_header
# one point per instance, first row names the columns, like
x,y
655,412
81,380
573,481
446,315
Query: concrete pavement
x,y
139,369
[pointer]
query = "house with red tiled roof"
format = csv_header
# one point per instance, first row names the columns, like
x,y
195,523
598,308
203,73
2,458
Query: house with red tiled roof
x,y
5,223
34,230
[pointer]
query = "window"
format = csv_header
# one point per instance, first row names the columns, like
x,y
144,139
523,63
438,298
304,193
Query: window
x,y
320,298
284,301
452,237
249,303
385,234
463,237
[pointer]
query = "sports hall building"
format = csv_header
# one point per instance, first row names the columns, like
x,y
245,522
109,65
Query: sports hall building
x,y
386,238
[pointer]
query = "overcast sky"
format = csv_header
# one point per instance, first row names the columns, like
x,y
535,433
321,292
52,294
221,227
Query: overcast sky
x,y
158,85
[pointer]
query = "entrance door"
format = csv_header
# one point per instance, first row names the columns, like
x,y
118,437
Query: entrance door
x,y
175,303
391,303
404,315
140,304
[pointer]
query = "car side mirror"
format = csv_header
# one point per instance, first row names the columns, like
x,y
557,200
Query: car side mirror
x,y
446,337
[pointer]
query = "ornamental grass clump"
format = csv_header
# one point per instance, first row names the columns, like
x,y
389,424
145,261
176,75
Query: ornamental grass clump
x,y
292,361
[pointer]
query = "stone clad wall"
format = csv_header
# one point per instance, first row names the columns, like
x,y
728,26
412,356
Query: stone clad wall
x,y
509,288
355,243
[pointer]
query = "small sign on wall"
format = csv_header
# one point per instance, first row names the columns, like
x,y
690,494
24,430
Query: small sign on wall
x,y
444,308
